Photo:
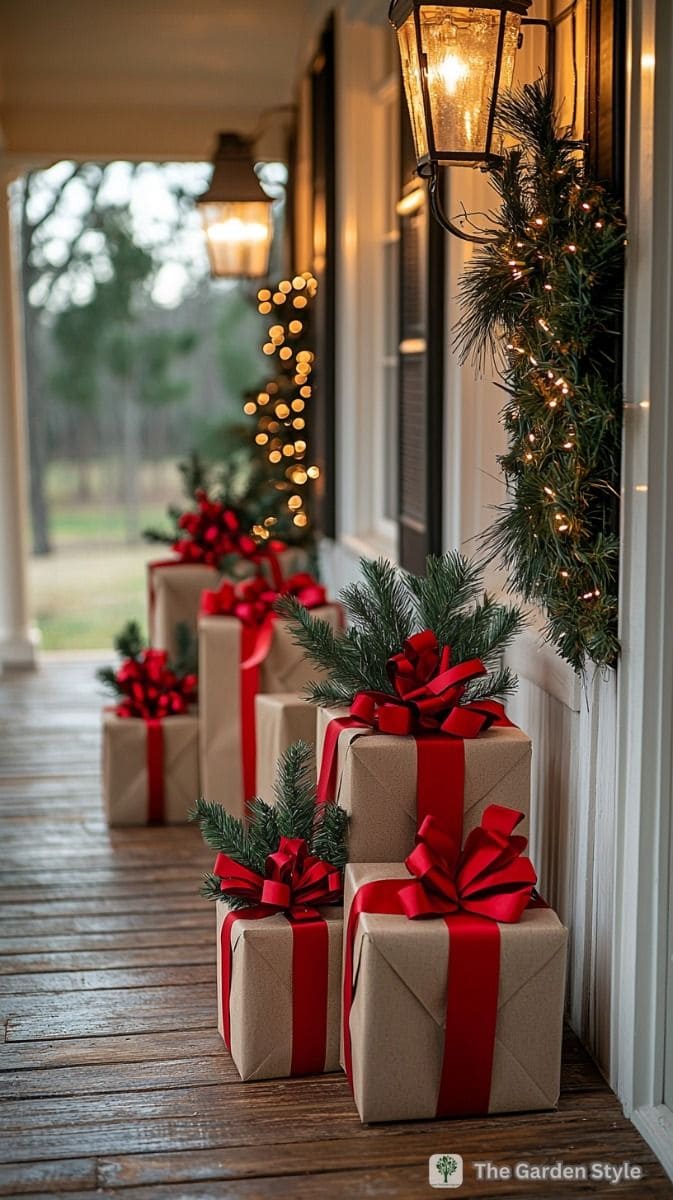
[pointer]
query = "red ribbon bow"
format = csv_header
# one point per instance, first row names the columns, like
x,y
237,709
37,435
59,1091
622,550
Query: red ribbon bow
x,y
214,530
488,877
429,693
253,600
150,689
294,881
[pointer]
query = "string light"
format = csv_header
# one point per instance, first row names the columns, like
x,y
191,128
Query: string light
x,y
289,392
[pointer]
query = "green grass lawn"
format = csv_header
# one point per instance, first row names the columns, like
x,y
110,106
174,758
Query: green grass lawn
x,y
93,582
82,596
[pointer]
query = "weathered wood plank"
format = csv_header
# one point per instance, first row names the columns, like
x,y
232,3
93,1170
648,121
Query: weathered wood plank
x,y
114,1080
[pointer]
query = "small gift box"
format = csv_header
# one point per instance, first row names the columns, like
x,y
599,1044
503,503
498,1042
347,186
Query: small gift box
x,y
150,738
388,769
278,991
460,1014
174,592
280,719
249,652
279,932
150,769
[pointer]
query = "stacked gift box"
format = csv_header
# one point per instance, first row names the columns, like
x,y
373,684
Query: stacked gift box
x,y
212,602
377,906
442,978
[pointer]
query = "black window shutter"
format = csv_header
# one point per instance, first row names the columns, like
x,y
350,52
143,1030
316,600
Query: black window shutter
x,y
421,370
323,158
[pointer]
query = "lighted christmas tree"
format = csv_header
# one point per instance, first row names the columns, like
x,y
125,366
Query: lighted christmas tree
x,y
281,406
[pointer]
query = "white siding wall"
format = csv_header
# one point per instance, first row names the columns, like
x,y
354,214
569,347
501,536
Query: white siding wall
x,y
572,727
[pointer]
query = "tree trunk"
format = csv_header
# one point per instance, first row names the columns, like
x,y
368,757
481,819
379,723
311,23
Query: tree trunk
x,y
130,462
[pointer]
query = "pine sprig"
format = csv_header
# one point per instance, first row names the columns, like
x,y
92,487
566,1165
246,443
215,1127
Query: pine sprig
x,y
386,607
296,814
544,298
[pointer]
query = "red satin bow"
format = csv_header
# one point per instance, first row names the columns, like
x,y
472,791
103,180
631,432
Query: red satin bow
x,y
150,689
429,693
253,600
294,881
488,878
214,530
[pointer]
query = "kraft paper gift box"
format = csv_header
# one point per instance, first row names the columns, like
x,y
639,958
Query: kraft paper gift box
x,y
175,587
284,669
127,787
280,719
377,783
399,1010
263,1040
174,596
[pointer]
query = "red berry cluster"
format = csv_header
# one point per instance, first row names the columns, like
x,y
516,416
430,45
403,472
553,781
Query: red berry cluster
x,y
149,688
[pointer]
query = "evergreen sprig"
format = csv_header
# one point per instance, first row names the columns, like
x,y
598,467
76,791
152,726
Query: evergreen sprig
x,y
544,298
295,814
386,607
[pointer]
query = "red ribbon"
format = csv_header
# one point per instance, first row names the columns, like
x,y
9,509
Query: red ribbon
x,y
154,749
427,704
294,882
488,882
252,601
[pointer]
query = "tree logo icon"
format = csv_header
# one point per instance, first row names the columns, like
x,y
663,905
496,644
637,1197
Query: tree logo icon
x,y
445,1170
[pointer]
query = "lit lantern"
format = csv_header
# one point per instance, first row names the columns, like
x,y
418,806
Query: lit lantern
x,y
236,213
456,60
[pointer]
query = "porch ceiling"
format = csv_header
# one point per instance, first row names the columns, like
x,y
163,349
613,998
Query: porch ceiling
x,y
143,79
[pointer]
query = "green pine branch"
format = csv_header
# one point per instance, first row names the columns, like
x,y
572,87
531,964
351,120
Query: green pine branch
x,y
295,814
388,605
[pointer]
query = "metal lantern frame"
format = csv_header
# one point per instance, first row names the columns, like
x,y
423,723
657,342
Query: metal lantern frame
x,y
429,163
234,181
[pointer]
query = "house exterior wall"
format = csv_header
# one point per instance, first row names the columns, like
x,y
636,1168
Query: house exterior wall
x,y
572,724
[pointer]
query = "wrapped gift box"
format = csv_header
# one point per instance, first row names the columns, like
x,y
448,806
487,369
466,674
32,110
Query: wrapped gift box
x,y
175,587
263,1038
399,1010
280,719
284,669
174,596
377,784
127,786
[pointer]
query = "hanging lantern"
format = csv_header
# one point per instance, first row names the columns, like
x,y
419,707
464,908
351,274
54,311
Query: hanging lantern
x,y
456,60
236,213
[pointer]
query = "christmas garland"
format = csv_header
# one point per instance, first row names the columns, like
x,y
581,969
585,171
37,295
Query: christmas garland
x,y
321,828
388,607
545,297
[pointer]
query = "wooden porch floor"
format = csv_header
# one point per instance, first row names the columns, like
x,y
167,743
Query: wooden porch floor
x,y
114,1080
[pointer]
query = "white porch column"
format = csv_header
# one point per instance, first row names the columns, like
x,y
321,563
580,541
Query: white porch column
x,y
17,642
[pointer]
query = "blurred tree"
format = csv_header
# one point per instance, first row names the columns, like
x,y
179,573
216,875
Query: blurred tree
x,y
110,334
63,219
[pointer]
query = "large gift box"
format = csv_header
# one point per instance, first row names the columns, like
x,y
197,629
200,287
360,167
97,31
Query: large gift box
x,y
442,1025
281,718
278,991
388,783
236,663
150,768
174,595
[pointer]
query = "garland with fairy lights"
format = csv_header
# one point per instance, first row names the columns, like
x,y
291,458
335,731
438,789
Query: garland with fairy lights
x,y
545,297
280,406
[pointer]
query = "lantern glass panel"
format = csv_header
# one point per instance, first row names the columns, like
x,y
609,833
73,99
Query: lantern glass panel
x,y
460,46
411,74
238,236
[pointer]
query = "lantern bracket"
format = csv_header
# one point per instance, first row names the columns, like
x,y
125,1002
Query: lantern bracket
x,y
432,175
